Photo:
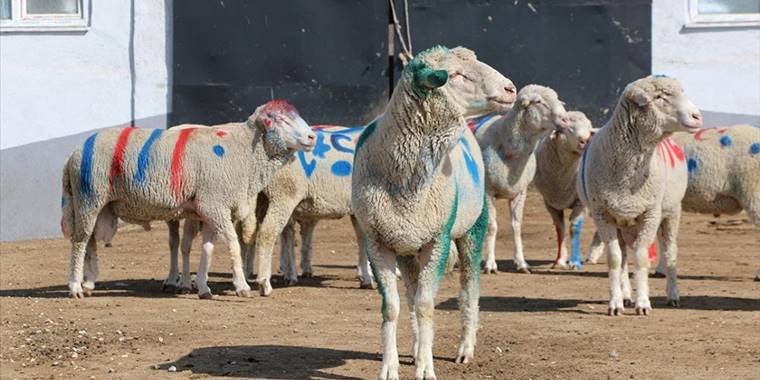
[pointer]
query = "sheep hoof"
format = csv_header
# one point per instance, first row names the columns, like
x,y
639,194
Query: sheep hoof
x,y
560,265
246,293
523,270
757,279
185,290
363,285
265,289
643,310
490,271
169,288
615,311
307,275
108,245
658,275
674,303
627,302
87,292
206,296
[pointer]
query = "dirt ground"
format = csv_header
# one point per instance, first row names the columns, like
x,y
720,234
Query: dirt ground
x,y
546,325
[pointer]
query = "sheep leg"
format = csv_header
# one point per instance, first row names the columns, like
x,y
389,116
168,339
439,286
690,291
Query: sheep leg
x,y
227,228
172,280
248,252
609,235
625,281
490,243
307,233
668,236
277,216
409,273
90,267
207,252
516,206
643,241
596,249
383,263
470,248
432,263
558,219
84,227
288,254
189,231
577,216
662,262
365,276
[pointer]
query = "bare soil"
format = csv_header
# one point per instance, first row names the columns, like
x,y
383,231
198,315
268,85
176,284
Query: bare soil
x,y
546,325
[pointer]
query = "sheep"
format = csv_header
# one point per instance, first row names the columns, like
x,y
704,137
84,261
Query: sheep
x,y
557,158
632,179
723,166
417,184
508,155
140,175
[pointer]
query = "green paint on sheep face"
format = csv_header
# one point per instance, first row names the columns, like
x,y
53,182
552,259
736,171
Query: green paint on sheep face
x,y
365,135
423,77
444,240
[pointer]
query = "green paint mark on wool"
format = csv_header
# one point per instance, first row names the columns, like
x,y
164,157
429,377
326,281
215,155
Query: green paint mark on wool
x,y
477,232
365,135
444,240
380,288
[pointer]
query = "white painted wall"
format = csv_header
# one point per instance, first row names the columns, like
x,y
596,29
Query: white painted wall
x,y
56,84
718,68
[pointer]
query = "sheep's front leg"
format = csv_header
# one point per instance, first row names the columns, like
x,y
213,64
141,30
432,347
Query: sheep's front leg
x,y
409,269
669,252
609,236
242,289
172,279
90,267
516,206
490,240
207,252
646,235
577,217
307,233
189,231
278,215
383,263
558,219
365,276
596,249
288,254
432,262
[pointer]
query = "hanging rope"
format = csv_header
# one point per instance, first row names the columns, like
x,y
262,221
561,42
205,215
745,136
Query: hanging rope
x,y
405,55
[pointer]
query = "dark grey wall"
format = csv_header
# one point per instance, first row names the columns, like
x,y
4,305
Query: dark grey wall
x,y
329,57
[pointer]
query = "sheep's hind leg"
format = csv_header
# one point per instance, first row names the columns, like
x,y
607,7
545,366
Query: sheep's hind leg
x,y
288,254
470,248
83,230
490,239
90,267
307,233
207,252
171,283
383,263
409,273
596,250
516,206
189,231
365,276
558,219
577,217
668,236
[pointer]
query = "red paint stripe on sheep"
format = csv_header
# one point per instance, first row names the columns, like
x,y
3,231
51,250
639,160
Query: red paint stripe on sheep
x,y
117,161
676,149
176,168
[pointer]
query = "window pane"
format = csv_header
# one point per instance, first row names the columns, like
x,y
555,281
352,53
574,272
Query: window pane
x,y
52,6
5,9
728,6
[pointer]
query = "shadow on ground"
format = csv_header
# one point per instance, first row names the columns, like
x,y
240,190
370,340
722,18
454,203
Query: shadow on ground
x,y
270,362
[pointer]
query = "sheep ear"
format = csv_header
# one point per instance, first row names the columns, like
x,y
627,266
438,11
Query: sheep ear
x,y
260,119
639,96
431,79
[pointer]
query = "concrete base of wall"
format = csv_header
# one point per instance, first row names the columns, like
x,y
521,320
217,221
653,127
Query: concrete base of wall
x,y
30,184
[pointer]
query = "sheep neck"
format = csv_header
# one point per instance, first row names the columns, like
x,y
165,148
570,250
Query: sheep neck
x,y
420,130
268,153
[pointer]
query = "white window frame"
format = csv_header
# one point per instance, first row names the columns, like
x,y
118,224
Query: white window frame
x,y
21,21
726,20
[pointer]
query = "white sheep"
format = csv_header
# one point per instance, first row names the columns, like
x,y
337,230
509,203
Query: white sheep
x,y
723,167
508,147
557,158
632,184
140,175
417,184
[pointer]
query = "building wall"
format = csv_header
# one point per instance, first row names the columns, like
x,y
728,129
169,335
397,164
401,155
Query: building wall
x,y
718,67
55,88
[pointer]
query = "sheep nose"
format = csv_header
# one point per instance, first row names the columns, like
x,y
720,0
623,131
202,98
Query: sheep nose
x,y
510,90
564,122
311,137
697,117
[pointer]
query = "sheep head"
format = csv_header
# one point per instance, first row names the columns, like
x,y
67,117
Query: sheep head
x,y
475,88
282,126
541,109
578,134
661,101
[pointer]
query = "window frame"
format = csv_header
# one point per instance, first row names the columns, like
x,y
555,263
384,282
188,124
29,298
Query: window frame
x,y
725,20
22,21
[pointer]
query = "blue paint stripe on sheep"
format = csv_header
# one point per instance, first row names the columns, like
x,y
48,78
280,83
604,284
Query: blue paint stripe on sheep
x,y
85,170
575,257
472,166
143,158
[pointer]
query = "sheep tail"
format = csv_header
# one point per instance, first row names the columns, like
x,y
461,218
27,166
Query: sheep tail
x,y
67,204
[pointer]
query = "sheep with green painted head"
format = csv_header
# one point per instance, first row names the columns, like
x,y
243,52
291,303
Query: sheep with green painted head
x,y
417,185
140,175
508,147
723,167
632,178
557,158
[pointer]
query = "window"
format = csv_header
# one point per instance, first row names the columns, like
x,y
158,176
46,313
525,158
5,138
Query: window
x,y
724,13
43,15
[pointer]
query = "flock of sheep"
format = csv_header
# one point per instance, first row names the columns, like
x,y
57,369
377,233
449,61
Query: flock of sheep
x,y
455,135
